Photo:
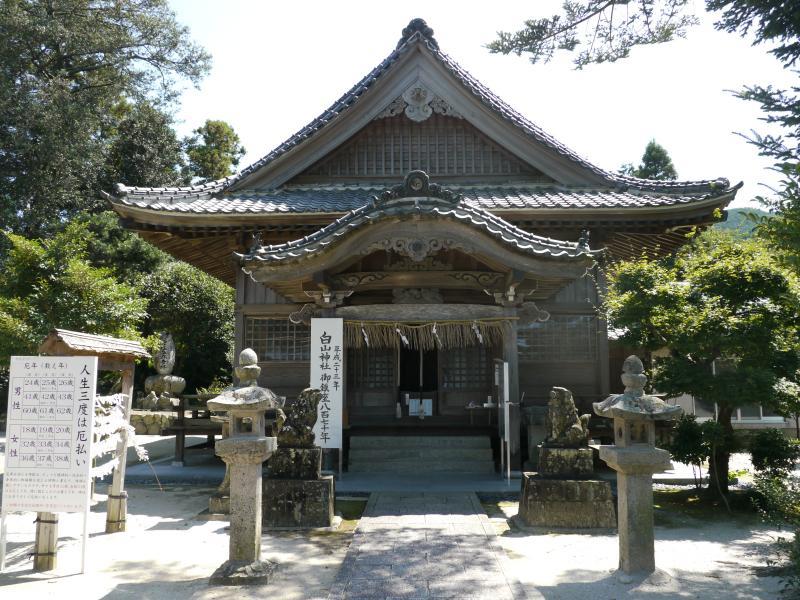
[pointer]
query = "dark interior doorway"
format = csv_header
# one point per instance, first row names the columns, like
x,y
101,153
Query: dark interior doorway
x,y
416,378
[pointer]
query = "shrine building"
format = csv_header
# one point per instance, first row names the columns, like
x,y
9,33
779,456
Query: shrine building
x,y
445,229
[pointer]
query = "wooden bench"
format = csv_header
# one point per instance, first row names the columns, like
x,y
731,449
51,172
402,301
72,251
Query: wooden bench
x,y
198,423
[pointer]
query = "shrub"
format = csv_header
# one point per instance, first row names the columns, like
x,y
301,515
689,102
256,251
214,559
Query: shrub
x,y
687,445
772,453
778,501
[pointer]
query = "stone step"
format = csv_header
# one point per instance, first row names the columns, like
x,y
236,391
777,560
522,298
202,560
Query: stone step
x,y
455,454
419,441
421,466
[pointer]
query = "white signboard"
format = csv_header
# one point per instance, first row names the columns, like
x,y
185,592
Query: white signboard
x,y
49,433
327,374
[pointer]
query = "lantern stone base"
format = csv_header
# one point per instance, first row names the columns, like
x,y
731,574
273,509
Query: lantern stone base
x,y
301,503
566,503
242,572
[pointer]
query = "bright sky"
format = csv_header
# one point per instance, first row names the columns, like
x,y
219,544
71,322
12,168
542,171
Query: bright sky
x,y
277,65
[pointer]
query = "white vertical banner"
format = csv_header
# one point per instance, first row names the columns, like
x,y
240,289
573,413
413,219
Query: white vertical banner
x,y
327,374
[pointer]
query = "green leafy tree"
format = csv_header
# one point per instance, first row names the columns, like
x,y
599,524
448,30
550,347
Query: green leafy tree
x,y
727,313
113,247
198,310
606,30
50,283
65,65
214,151
144,150
656,164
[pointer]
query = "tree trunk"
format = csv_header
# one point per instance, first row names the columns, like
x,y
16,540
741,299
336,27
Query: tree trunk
x,y
797,425
718,465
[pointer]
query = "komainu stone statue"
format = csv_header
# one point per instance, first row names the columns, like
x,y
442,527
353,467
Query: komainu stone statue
x,y
297,457
565,428
298,428
561,494
296,494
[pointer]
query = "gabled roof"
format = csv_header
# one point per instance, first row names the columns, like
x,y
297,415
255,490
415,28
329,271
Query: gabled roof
x,y
236,194
89,343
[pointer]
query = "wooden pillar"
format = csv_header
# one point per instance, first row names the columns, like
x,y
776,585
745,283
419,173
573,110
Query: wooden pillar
x,y
511,357
45,546
117,505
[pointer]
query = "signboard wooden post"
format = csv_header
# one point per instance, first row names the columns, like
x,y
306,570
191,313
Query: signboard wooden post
x,y
327,374
48,446
501,380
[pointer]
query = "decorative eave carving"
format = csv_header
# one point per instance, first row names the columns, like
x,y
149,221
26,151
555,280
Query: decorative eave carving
x,y
416,249
419,103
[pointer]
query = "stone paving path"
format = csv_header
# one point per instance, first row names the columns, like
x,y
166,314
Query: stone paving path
x,y
424,545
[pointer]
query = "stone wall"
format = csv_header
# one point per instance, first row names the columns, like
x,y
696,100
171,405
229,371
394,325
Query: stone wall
x,y
147,422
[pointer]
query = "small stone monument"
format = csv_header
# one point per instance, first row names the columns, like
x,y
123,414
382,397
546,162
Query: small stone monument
x,y
561,493
635,458
163,388
295,492
244,451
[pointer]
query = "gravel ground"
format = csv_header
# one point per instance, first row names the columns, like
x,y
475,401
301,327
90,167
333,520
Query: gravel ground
x,y
170,550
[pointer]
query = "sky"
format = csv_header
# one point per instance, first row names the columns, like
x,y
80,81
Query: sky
x,y
277,65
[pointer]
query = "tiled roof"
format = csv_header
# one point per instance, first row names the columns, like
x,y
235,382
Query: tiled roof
x,y
431,206
417,32
621,191
335,199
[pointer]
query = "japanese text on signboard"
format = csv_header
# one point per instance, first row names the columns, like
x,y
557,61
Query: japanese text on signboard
x,y
327,375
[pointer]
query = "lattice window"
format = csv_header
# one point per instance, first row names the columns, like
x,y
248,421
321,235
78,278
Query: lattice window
x,y
277,339
371,369
562,338
465,369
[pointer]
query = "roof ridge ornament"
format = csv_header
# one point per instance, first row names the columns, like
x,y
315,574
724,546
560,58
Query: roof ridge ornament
x,y
417,26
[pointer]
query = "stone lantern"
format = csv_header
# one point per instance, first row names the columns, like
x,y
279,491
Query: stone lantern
x,y
635,458
244,451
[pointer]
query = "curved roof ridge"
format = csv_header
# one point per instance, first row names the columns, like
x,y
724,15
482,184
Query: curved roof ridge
x,y
383,208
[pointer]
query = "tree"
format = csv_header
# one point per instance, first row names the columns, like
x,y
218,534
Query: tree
x,y
49,283
727,313
144,150
607,30
110,246
65,65
214,151
198,310
656,164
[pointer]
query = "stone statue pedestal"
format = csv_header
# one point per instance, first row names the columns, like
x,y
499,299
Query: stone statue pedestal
x,y
296,495
561,494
